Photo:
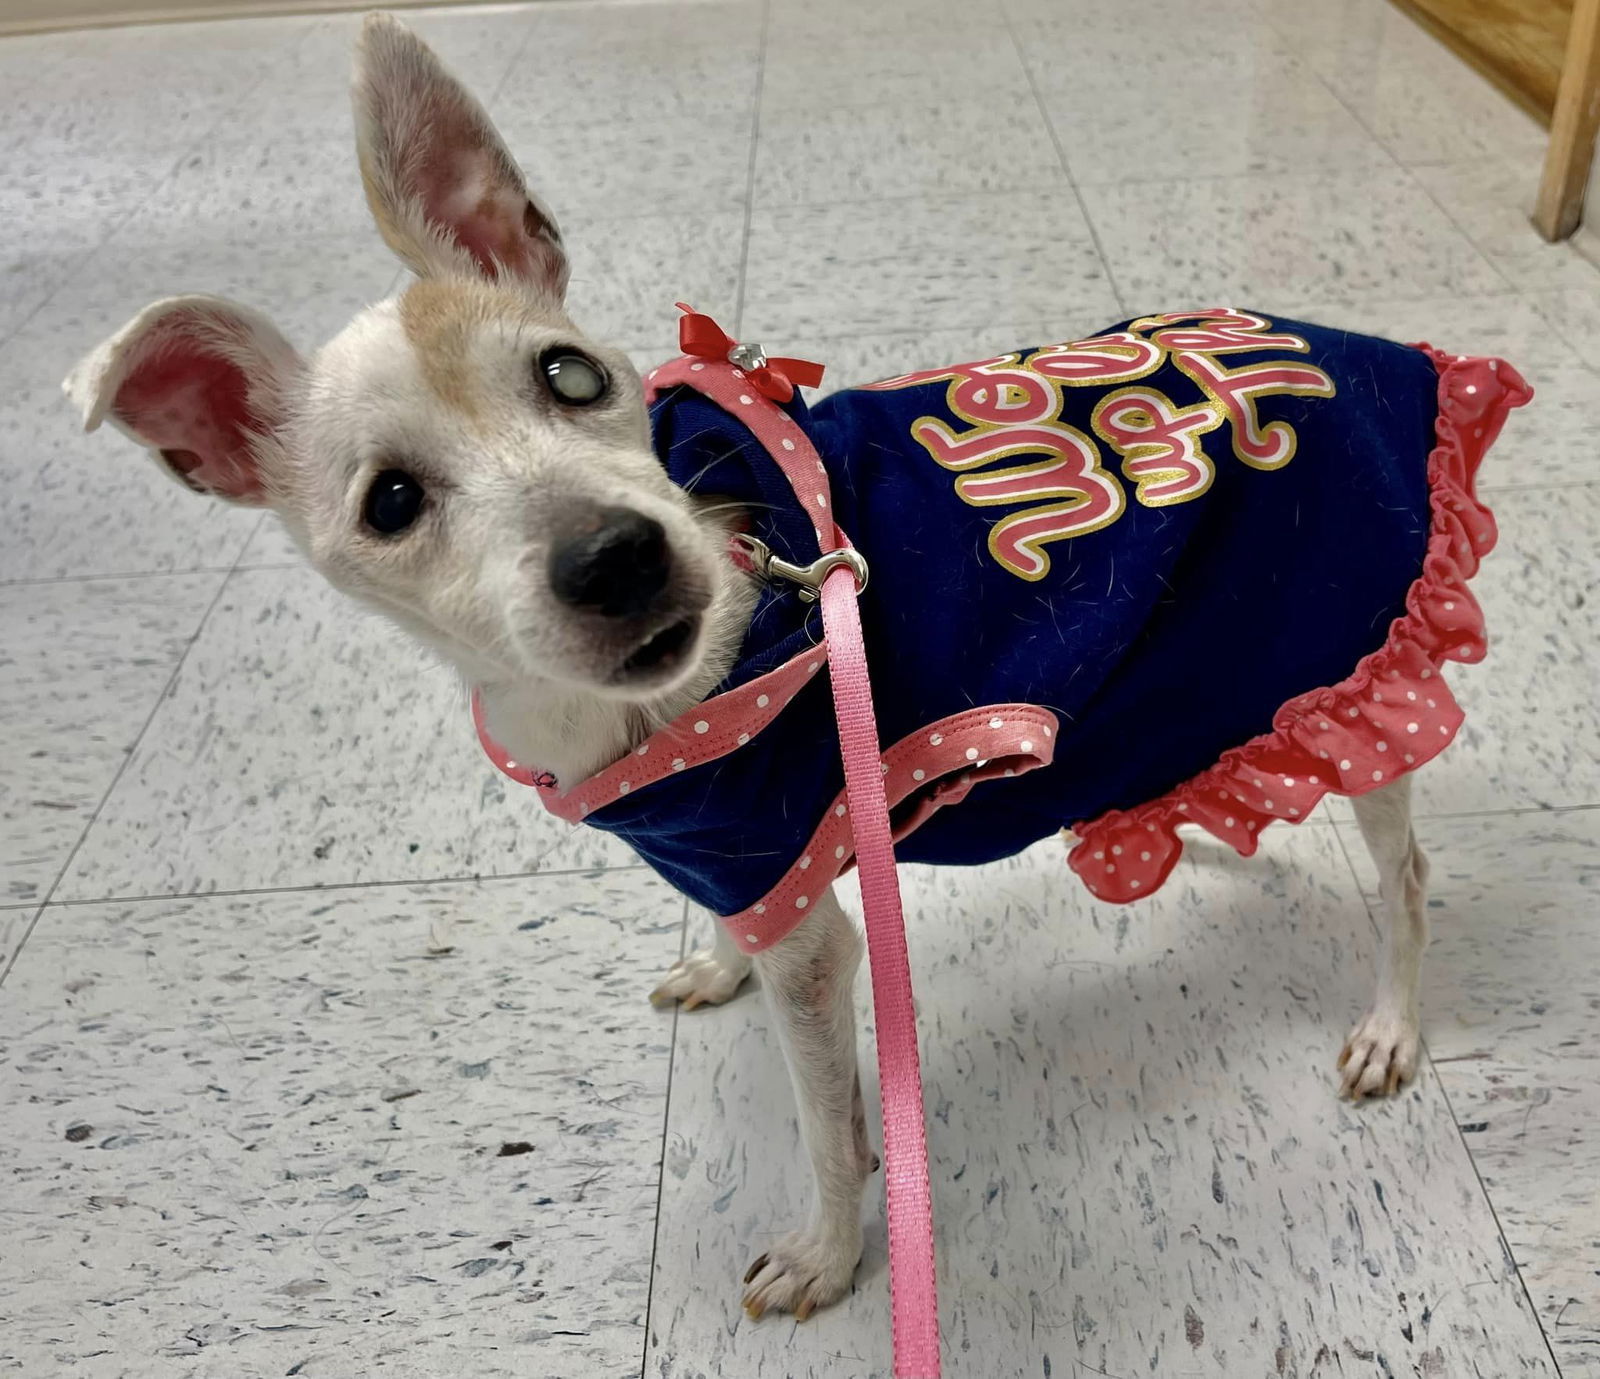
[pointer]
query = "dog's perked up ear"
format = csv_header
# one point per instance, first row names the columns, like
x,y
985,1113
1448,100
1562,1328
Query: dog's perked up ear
x,y
447,195
200,381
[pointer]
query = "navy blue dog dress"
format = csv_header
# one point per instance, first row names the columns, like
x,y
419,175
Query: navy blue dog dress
x,y
1203,568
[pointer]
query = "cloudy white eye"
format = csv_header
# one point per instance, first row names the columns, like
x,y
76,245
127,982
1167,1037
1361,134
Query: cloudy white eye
x,y
574,379
393,502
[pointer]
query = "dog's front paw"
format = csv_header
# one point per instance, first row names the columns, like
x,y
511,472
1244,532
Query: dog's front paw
x,y
801,1273
707,977
1380,1055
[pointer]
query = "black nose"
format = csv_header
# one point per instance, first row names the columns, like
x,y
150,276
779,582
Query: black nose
x,y
616,568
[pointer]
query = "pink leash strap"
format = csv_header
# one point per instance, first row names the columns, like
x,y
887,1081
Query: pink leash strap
x,y
913,1291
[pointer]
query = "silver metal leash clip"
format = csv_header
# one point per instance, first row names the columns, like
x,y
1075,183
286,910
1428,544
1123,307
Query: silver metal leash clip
x,y
809,577
749,357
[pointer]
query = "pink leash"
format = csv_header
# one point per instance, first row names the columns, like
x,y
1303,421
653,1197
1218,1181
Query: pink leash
x,y
913,1292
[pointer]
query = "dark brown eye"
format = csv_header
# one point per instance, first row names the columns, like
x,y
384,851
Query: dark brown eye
x,y
393,502
575,379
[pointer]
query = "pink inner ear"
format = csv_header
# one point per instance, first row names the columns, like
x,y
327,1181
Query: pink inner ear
x,y
462,194
194,406
472,192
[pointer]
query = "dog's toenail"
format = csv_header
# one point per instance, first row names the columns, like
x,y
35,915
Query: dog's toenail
x,y
756,1268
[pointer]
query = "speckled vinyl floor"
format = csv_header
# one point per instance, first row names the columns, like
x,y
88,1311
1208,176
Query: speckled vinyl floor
x,y
321,1055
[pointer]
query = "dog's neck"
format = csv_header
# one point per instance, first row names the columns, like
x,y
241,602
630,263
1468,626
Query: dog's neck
x,y
573,732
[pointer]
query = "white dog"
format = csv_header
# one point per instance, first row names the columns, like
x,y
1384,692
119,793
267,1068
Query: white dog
x,y
463,458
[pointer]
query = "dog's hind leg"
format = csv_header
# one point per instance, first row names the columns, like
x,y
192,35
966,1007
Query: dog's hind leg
x,y
808,979
1381,1052
708,976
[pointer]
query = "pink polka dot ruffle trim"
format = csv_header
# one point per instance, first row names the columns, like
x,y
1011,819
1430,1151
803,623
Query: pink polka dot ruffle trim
x,y
1392,714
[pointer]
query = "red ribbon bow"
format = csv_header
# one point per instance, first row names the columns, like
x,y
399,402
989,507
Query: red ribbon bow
x,y
776,378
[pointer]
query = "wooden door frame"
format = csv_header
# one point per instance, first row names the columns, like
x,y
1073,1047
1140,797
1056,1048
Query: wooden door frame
x,y
1573,128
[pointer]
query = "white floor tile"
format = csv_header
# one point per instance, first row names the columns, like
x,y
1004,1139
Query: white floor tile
x,y
636,82
271,545
1338,25
1574,314
1374,232
75,203
57,210
202,53
1152,41
1281,120
628,273
1510,1011
405,1130
1417,97
29,62
304,88
1139,1161
863,153
81,668
563,34
26,282
919,64
1492,202
303,93
587,166
927,263
307,743
854,27
229,192
146,90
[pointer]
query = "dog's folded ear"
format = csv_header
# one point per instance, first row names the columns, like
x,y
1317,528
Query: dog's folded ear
x,y
447,195
202,382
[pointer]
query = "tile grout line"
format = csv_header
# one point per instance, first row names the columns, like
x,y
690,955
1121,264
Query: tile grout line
x,y
511,67
1409,171
327,887
661,1158
1411,178
1061,156
1494,1215
227,572
750,167
122,576
120,223
1520,811
127,760
1562,333
117,775
1355,877
80,259
1455,1121
536,874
